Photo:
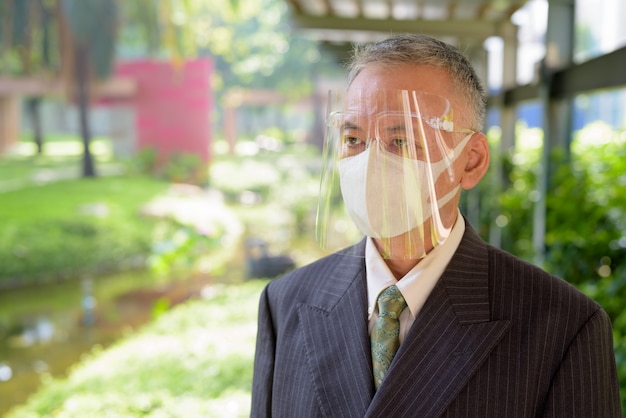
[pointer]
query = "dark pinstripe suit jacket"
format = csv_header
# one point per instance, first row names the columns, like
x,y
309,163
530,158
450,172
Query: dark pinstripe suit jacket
x,y
497,338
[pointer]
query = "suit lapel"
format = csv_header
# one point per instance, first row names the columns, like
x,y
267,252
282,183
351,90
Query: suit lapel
x,y
449,340
334,329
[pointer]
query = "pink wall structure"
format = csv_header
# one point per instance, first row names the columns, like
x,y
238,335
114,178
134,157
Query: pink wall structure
x,y
172,105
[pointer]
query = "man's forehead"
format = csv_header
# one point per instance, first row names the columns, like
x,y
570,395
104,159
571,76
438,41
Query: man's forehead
x,y
375,102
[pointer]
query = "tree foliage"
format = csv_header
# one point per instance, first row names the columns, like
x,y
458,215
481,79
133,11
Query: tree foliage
x,y
29,37
585,216
250,41
93,25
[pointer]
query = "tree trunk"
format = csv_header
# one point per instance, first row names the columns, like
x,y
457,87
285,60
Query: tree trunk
x,y
35,119
81,58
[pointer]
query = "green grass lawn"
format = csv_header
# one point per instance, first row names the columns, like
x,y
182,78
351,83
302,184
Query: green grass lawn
x,y
193,361
79,197
62,155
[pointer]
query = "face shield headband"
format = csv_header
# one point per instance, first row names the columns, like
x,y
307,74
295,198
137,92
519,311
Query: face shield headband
x,y
388,171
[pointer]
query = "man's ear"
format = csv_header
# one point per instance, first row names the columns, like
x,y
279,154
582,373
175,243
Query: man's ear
x,y
477,162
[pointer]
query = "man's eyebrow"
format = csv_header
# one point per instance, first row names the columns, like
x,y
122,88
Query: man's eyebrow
x,y
349,125
394,128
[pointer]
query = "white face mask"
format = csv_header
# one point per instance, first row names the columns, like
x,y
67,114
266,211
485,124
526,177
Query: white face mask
x,y
387,195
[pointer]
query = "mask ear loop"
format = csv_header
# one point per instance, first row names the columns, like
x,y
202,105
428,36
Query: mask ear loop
x,y
440,232
447,125
449,153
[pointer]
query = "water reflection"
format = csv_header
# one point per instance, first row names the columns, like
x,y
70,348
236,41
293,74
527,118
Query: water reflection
x,y
5,372
44,330
37,330
88,302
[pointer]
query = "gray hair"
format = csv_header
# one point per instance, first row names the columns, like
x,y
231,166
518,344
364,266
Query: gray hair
x,y
419,49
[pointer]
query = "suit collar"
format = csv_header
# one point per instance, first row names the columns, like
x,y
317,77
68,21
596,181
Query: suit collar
x,y
347,274
449,340
334,331
466,279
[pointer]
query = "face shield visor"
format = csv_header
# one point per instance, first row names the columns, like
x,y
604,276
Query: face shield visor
x,y
388,171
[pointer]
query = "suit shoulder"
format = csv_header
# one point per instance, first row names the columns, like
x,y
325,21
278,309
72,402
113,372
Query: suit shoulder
x,y
528,284
311,275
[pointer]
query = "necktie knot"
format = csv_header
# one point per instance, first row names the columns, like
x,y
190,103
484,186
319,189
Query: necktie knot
x,y
391,303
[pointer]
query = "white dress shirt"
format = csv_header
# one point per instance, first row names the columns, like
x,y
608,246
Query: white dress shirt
x,y
417,284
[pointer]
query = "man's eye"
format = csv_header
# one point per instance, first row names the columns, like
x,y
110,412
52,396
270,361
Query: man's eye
x,y
351,140
400,142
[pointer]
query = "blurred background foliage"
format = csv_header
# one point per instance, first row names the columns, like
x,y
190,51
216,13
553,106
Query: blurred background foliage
x,y
251,40
586,206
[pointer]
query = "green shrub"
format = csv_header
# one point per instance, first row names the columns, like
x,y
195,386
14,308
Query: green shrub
x,y
585,205
66,248
233,176
185,168
73,227
177,167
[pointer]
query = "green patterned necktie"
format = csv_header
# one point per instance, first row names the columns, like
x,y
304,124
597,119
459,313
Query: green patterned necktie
x,y
385,334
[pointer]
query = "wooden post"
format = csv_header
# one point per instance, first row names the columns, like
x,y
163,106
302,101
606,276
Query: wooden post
x,y
230,127
557,129
10,112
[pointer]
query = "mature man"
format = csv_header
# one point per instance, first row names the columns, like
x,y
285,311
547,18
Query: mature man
x,y
422,318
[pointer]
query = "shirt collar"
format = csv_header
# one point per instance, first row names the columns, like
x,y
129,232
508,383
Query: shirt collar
x,y
418,283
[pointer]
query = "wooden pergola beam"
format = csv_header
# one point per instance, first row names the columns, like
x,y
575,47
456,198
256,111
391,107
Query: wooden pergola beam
x,y
114,88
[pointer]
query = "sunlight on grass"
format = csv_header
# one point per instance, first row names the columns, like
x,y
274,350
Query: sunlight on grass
x,y
100,147
61,159
194,361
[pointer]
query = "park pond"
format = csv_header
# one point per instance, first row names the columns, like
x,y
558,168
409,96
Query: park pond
x,y
47,328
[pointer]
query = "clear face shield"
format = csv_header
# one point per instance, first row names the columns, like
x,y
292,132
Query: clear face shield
x,y
388,171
